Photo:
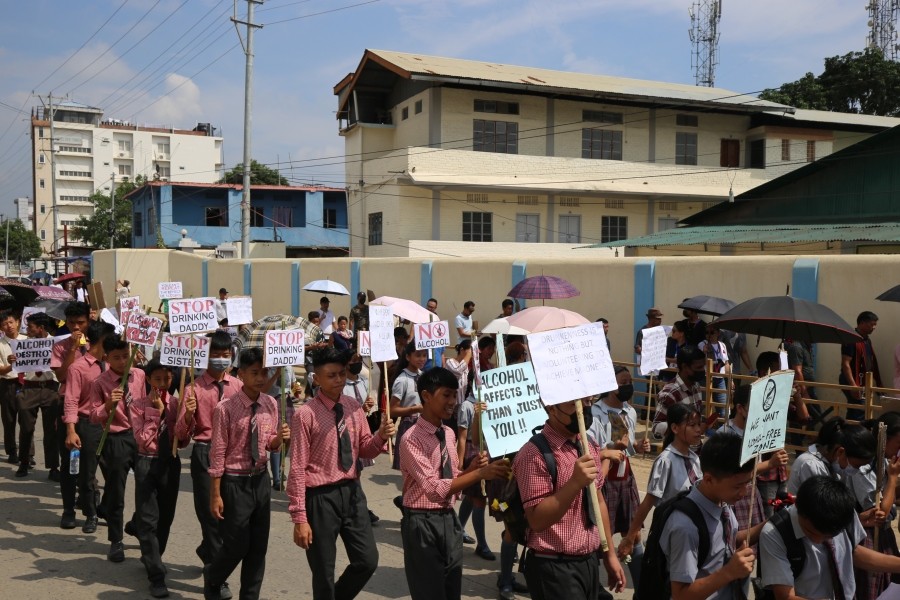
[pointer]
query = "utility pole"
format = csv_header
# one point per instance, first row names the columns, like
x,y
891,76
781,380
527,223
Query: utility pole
x,y
6,254
248,118
112,215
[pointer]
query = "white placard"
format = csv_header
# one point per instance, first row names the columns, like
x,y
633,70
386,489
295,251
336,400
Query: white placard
x,y
233,332
175,350
514,407
431,335
239,310
33,354
653,349
381,324
169,290
142,329
109,316
28,310
126,305
364,346
782,361
572,363
767,414
283,348
192,315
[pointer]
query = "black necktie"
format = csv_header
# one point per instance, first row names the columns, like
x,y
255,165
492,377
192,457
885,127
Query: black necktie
x,y
590,517
446,467
254,434
221,386
102,365
835,572
83,350
345,452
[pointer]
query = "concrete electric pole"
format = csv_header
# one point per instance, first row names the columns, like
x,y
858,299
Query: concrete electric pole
x,y
112,214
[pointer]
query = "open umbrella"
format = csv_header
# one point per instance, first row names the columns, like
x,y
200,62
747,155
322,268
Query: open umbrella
x,y
543,287
544,318
53,308
708,305
405,309
254,334
49,292
892,295
326,286
22,292
69,277
783,317
501,325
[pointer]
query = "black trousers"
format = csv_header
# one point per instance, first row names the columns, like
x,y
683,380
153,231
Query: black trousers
x,y
87,474
340,510
155,497
117,458
209,527
45,400
432,554
8,412
67,483
245,533
550,579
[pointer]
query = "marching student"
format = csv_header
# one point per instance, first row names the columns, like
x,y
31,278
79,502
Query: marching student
x,y
405,400
81,433
839,446
432,535
357,386
676,468
245,429
9,385
117,458
40,391
330,435
156,472
563,539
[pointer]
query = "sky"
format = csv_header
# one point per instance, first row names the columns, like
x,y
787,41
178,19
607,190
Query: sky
x,y
179,62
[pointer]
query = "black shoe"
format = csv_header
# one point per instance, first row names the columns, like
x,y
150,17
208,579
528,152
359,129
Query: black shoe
x,y
31,463
23,470
468,539
116,552
225,592
13,459
159,590
519,588
67,521
130,529
90,525
53,475
506,593
373,518
211,593
485,553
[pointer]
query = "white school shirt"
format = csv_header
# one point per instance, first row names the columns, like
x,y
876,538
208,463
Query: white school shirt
x,y
601,431
669,474
805,466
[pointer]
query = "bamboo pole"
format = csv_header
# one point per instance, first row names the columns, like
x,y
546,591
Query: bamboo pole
x,y
387,406
180,406
592,487
123,387
650,396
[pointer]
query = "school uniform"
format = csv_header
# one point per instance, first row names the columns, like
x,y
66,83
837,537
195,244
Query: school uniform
x,y
742,507
431,533
805,466
680,539
77,410
405,389
156,478
40,392
359,389
117,457
209,394
673,472
9,387
465,418
243,430
823,565
324,490
562,560
67,482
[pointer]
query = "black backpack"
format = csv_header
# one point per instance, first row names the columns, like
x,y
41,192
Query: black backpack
x,y
514,512
796,553
654,583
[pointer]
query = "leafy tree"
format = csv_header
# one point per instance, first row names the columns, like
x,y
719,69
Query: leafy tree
x,y
857,82
23,243
95,230
260,174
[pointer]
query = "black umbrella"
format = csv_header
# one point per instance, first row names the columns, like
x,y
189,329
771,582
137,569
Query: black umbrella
x,y
783,317
22,292
53,308
708,305
892,295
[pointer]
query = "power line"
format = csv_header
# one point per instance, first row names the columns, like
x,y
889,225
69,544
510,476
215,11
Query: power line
x,y
324,12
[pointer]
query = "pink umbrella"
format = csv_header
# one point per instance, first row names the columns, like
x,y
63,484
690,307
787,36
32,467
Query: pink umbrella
x,y
545,318
405,309
543,287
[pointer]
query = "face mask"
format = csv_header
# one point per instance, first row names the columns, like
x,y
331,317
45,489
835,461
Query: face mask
x,y
625,392
219,364
355,368
572,427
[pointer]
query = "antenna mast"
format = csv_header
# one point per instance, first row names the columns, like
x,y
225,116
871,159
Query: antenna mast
x,y
704,34
883,27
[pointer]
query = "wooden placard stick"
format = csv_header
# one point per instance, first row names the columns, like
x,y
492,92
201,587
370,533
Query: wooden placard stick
x,y
180,407
879,476
650,395
387,406
752,493
592,487
123,387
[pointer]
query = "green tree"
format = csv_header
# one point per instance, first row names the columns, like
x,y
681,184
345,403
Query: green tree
x,y
23,243
806,93
95,230
260,174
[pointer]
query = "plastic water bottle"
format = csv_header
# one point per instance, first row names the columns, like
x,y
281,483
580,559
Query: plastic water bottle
x,y
74,461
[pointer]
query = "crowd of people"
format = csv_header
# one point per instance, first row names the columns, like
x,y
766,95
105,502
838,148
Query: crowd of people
x,y
821,529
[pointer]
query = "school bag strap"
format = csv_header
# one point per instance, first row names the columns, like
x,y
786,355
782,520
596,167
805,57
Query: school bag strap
x,y
539,440
796,554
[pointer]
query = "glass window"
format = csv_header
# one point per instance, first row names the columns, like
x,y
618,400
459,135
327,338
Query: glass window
x,y
375,224
613,229
602,116
284,216
685,148
330,218
495,136
477,227
497,106
601,143
215,217
138,224
257,217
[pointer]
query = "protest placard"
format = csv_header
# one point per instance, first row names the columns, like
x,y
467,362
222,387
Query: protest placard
x,y
381,323
653,349
169,290
431,335
233,333
239,310
28,310
283,348
175,350
32,354
142,329
126,305
193,315
767,414
571,363
109,316
514,407
95,295
364,346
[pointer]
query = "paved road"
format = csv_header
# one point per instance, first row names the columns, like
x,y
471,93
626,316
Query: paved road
x,y
41,561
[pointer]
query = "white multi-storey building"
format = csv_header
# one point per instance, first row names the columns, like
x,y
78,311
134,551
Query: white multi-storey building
x,y
90,151
24,212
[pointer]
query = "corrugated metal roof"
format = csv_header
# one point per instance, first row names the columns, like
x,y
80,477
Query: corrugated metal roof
x,y
839,118
421,66
755,234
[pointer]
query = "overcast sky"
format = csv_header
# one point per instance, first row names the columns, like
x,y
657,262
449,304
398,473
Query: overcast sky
x,y
179,62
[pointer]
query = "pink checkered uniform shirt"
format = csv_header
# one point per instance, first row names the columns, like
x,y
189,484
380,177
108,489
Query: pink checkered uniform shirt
x,y
420,463
314,448
200,426
101,389
145,421
56,360
81,374
230,447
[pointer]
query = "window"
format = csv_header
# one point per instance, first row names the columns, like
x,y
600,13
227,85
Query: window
x,y
478,227
125,170
75,173
330,218
708,205
613,229
41,132
602,116
284,216
257,217
375,225
80,149
404,114
668,206
570,229
685,148
418,106
495,136
215,217
41,158
666,223
41,183
601,143
528,228
477,198
497,106
730,153
162,149
67,198
570,201
43,234
785,150
151,224
810,151
138,224
164,171
687,120
43,209
758,154
124,146
527,200
614,203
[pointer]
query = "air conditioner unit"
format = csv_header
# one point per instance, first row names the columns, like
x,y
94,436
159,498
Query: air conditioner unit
x,y
161,157
163,178
121,154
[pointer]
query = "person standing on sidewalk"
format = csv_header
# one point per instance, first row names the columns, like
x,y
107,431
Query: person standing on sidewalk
x,y
40,392
9,385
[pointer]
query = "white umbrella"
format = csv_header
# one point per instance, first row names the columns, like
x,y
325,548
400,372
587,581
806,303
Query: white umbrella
x,y
502,326
326,286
